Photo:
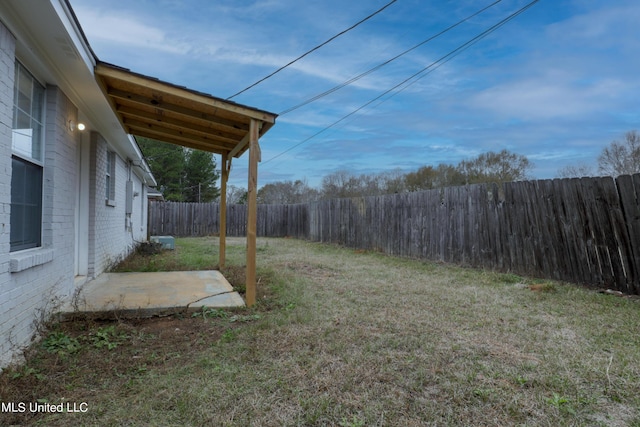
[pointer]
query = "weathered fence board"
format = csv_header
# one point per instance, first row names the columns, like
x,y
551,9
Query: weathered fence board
x,y
203,219
581,230
630,197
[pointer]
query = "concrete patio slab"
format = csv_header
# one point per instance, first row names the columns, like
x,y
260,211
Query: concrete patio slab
x,y
152,294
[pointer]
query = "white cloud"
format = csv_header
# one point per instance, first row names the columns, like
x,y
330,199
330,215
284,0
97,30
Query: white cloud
x,y
545,98
114,28
602,27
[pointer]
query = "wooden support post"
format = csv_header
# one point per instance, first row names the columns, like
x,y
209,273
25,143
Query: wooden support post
x,y
226,167
252,216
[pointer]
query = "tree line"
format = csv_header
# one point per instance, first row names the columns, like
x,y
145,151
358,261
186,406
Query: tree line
x,y
191,176
502,166
620,157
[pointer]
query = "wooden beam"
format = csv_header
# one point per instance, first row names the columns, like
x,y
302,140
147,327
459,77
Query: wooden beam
x,y
177,131
239,148
102,83
252,216
140,82
139,128
226,168
158,102
189,144
169,120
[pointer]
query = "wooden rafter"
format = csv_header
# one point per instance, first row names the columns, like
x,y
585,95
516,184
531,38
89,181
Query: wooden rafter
x,y
162,107
167,119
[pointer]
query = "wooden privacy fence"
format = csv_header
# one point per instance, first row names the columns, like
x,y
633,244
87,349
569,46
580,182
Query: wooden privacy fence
x,y
580,230
203,219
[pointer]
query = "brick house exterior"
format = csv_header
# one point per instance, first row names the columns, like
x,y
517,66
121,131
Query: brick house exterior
x,y
72,202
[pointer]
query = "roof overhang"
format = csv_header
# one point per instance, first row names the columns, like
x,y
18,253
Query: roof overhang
x,y
148,107
51,44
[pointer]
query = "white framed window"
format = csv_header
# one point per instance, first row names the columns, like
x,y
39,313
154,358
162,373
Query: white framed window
x,y
110,181
27,161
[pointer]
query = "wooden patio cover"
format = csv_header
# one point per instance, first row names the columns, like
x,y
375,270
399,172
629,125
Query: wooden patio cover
x,y
151,108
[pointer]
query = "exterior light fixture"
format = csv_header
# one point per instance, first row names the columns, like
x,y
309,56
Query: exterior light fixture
x,y
73,126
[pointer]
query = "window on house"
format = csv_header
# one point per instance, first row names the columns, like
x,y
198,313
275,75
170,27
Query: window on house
x,y
110,185
27,161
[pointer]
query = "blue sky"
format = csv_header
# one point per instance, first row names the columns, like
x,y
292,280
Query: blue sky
x,y
556,84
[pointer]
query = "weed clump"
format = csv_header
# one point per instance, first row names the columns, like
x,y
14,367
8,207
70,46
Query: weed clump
x,y
149,248
62,344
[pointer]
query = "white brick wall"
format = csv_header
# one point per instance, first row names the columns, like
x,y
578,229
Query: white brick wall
x,y
39,279
34,281
109,237
8,293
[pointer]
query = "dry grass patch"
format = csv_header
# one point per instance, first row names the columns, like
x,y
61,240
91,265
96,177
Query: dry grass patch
x,y
347,338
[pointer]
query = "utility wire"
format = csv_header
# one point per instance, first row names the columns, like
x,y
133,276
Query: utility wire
x,y
377,67
458,51
313,50
430,67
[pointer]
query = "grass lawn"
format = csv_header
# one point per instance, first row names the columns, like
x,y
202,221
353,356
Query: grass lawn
x,y
346,338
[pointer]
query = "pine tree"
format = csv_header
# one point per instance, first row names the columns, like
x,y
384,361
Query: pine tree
x,y
183,175
167,165
200,184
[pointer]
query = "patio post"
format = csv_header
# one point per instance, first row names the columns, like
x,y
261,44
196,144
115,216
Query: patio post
x,y
226,166
252,215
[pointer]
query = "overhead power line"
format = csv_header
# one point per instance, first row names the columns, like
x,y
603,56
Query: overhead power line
x,y
377,67
415,76
313,50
